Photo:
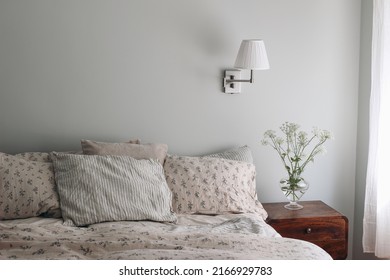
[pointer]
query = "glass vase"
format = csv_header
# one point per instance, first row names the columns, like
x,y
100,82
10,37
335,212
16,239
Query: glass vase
x,y
293,188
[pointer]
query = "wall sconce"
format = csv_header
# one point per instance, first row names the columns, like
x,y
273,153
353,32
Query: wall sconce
x,y
251,55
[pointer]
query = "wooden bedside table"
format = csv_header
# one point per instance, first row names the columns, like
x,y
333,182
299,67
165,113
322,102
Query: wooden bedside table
x,y
316,222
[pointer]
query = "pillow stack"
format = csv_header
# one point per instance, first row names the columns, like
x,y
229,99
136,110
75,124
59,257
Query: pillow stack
x,y
126,181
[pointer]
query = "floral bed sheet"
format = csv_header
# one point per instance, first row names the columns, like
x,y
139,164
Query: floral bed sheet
x,y
232,236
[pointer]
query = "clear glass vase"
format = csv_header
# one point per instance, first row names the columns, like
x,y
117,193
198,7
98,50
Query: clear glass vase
x,y
293,188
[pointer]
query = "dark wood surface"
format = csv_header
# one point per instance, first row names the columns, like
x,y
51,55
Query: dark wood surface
x,y
316,222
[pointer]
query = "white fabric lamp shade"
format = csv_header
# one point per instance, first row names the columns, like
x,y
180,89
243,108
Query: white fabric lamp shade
x,y
252,55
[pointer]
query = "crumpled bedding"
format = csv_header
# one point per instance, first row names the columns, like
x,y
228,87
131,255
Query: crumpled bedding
x,y
193,237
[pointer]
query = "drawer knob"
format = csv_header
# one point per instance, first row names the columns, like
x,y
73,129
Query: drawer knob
x,y
308,230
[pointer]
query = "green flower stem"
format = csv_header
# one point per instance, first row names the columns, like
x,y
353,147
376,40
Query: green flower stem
x,y
313,153
291,191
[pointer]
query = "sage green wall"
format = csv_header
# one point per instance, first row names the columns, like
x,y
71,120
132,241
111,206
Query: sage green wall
x,y
152,69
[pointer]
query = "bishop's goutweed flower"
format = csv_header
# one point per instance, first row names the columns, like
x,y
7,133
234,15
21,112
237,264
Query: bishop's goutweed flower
x,y
296,148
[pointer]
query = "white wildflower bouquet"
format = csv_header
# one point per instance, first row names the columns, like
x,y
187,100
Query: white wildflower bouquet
x,y
296,148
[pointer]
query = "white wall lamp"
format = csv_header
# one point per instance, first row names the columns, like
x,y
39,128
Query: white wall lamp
x,y
251,55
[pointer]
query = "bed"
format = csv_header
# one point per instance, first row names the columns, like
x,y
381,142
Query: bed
x,y
133,201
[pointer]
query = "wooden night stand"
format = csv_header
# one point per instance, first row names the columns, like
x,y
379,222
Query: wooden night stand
x,y
316,222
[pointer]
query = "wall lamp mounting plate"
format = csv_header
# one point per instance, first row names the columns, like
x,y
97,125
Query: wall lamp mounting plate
x,y
229,84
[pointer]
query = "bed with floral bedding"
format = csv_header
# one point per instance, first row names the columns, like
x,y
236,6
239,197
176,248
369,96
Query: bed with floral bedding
x,y
136,201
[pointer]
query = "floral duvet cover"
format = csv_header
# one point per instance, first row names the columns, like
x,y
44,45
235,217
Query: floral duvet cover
x,y
232,236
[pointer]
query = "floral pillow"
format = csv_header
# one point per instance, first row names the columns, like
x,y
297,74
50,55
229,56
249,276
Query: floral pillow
x,y
207,185
35,156
27,187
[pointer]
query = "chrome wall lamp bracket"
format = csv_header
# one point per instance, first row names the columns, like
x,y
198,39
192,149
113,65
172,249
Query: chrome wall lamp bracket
x,y
252,56
232,81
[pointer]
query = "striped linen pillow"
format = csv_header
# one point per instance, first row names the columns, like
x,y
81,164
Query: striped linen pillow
x,y
94,189
239,154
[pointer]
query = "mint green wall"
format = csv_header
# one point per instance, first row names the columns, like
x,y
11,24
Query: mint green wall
x,y
152,69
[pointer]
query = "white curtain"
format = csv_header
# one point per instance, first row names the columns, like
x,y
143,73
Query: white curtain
x,y
376,223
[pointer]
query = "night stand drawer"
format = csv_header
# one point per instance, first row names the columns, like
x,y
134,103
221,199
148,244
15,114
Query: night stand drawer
x,y
311,229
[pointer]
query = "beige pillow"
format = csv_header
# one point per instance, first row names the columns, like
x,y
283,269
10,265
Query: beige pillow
x,y
137,151
27,187
212,186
